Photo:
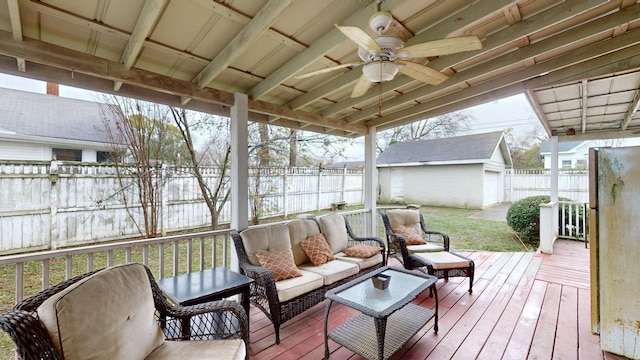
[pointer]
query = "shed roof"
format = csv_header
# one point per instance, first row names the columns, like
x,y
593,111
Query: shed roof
x,y
545,146
49,116
475,148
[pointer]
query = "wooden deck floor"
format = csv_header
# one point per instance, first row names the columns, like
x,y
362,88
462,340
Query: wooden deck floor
x,y
524,306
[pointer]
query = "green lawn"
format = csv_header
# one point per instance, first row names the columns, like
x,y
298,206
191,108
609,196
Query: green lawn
x,y
465,234
472,234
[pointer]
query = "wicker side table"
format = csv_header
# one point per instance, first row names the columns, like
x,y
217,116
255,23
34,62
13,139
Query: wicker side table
x,y
387,320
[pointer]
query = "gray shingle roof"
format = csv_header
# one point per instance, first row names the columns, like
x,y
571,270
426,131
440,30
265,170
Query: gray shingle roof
x,y
31,114
478,147
545,146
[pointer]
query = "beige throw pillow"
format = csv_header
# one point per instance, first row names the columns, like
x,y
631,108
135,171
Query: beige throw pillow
x,y
362,251
317,249
280,263
410,235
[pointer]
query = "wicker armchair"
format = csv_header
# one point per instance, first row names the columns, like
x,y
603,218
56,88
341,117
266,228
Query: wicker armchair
x,y
211,321
264,294
442,264
412,219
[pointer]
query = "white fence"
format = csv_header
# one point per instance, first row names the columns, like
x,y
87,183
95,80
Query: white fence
x,y
572,184
44,206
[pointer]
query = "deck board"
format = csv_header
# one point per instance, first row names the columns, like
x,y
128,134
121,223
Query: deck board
x,y
524,306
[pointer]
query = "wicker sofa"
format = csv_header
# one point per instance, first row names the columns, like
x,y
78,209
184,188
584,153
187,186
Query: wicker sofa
x,y
283,299
117,313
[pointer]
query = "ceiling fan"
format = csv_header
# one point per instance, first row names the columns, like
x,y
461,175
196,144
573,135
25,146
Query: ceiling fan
x,y
385,56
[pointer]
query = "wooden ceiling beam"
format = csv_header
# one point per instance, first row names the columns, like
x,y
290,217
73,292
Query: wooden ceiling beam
x,y
243,40
16,29
147,19
79,62
496,65
545,19
585,98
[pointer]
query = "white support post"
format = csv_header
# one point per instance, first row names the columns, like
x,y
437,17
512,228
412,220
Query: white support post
x,y
370,180
239,168
285,192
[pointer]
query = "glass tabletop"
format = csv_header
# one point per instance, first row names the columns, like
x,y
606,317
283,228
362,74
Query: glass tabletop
x,y
403,287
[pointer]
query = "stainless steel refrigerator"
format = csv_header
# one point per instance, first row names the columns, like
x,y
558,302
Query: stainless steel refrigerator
x,y
615,248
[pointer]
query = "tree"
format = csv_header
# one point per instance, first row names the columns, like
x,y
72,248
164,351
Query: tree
x,y
150,140
215,197
525,151
440,126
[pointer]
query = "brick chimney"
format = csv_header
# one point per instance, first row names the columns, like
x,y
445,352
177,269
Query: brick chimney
x,y
52,89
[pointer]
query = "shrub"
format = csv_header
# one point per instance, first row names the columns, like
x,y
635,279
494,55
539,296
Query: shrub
x,y
524,216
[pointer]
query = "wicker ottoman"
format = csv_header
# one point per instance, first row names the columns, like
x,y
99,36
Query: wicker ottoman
x,y
444,264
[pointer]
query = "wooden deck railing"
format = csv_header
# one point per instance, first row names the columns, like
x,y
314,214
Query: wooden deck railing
x,y
574,220
165,256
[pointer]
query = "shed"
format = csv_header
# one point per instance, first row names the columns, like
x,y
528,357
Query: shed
x,y
38,126
463,171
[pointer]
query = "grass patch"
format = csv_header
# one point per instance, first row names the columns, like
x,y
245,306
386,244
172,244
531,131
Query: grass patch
x,y
472,234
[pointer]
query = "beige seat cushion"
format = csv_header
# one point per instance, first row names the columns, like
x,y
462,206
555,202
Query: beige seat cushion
x,y
429,247
300,230
291,288
444,260
363,263
267,238
108,315
232,349
335,231
332,271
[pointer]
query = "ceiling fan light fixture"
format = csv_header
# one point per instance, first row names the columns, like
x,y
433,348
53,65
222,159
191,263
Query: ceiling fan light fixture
x,y
380,71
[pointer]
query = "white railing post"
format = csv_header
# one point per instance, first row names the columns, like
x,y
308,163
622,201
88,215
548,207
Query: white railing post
x,y
548,227
285,192
54,233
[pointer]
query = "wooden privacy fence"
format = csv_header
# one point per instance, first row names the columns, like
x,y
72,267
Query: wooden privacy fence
x,y
572,184
50,205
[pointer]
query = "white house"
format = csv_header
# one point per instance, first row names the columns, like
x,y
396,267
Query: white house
x,y
571,154
463,171
45,126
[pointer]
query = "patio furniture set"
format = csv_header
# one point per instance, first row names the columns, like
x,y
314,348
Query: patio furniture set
x,y
285,270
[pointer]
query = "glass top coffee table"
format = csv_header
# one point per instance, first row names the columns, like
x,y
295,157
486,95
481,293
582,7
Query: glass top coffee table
x,y
388,319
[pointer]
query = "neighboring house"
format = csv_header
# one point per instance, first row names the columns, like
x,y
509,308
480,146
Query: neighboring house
x,y
571,154
464,171
45,127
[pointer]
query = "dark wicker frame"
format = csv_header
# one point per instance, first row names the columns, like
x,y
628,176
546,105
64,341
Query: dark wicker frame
x,y
264,295
221,319
430,236
413,262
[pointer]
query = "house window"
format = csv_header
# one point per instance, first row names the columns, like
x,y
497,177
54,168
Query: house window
x,y
581,164
566,164
67,154
105,156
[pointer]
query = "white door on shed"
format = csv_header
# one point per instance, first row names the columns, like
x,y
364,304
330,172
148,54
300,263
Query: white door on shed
x,y
490,188
397,185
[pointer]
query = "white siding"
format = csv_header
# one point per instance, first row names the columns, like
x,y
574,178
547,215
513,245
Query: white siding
x,y
10,150
444,185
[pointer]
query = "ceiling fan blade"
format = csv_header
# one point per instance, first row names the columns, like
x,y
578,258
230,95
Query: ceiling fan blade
x,y
361,87
326,70
361,38
422,73
441,47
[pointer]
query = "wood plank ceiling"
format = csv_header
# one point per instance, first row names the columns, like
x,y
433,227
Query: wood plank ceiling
x,y
577,60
